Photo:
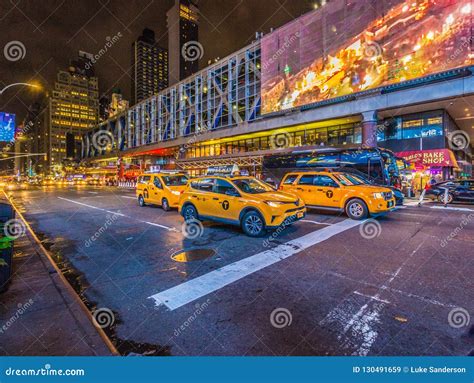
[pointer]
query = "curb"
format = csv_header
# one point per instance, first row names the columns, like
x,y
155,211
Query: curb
x,y
66,283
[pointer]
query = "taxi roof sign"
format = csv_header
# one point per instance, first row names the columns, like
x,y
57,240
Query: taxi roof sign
x,y
223,170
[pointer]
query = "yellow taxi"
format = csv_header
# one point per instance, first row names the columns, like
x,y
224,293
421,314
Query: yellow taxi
x,y
339,191
163,189
239,200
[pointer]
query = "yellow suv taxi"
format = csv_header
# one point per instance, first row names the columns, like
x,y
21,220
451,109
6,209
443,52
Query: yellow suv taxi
x,y
163,189
340,192
242,201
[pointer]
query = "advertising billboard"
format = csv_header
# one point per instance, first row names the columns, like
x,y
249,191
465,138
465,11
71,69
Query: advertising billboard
x,y
7,127
349,46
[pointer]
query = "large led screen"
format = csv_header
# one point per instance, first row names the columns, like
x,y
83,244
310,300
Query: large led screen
x,y
350,46
7,127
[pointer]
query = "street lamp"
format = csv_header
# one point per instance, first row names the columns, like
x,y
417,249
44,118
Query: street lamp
x,y
19,84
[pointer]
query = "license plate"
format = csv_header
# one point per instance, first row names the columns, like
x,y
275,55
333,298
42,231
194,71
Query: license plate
x,y
300,214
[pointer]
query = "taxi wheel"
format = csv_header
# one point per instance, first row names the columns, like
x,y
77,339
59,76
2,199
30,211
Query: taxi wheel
x,y
165,205
357,209
253,224
141,201
190,213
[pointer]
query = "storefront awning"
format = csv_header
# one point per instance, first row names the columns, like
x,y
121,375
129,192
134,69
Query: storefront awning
x,y
435,157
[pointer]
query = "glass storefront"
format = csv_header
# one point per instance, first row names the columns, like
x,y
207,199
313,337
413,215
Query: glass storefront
x,y
325,136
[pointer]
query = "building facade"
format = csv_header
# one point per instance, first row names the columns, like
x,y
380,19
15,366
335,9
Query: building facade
x,y
183,37
73,108
149,67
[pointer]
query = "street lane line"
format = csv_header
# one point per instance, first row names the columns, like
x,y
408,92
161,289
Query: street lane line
x,y
127,196
375,298
158,225
316,222
452,208
196,288
119,214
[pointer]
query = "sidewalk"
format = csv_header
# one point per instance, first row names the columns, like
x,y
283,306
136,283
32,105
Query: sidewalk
x,y
39,315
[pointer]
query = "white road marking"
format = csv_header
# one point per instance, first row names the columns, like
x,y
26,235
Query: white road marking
x,y
158,225
119,214
128,196
393,290
317,223
452,208
196,288
375,298
412,203
92,192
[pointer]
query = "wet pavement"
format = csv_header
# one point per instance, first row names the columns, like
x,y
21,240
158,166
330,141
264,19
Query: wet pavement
x,y
398,285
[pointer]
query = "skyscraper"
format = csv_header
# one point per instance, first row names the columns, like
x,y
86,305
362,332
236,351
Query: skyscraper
x,y
72,109
149,67
183,36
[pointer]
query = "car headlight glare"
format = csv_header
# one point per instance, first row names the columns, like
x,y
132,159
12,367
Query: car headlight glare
x,y
377,195
273,203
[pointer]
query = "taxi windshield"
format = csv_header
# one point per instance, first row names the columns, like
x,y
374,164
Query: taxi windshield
x,y
252,186
348,179
175,180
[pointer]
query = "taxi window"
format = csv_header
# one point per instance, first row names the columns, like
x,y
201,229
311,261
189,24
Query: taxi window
x,y
290,179
157,183
324,181
175,180
307,179
144,179
222,186
206,184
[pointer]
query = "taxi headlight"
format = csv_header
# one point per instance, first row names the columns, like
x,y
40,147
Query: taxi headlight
x,y
377,195
175,192
273,203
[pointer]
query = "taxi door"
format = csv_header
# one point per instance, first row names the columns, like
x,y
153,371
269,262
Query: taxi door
x,y
201,196
156,190
319,190
226,201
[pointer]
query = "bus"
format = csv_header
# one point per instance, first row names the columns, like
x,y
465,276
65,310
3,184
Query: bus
x,y
374,165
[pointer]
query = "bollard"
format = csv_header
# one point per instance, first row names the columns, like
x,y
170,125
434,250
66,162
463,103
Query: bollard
x,y
446,197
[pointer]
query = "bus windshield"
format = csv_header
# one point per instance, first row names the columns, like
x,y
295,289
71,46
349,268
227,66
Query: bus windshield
x,y
252,186
348,179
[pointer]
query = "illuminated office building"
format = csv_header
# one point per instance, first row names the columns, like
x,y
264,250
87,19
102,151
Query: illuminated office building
x,y
183,28
73,109
149,67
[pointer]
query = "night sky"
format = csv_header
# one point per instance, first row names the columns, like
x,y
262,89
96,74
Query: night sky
x,y
53,32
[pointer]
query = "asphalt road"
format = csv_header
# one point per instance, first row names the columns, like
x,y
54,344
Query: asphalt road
x,y
398,285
